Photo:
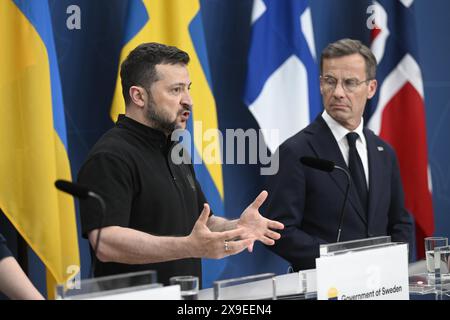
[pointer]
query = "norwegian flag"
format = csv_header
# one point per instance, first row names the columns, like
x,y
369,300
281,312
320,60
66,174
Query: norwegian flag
x,y
397,112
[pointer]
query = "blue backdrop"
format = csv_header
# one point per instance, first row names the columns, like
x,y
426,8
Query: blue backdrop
x,y
88,60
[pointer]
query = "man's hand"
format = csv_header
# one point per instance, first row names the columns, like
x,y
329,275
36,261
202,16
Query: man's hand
x,y
256,226
203,243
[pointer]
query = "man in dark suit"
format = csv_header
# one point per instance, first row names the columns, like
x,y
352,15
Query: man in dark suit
x,y
308,201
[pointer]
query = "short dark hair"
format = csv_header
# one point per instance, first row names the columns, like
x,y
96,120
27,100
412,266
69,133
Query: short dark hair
x,y
138,69
346,47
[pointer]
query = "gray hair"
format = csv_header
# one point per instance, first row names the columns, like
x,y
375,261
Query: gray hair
x,y
346,47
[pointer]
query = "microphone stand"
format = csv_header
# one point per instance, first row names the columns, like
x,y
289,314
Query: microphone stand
x,y
97,241
341,220
82,192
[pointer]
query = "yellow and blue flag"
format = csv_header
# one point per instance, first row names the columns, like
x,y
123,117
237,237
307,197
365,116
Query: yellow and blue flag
x,y
33,138
178,23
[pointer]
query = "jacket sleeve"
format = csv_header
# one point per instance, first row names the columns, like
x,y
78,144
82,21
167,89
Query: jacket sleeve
x,y
400,223
286,203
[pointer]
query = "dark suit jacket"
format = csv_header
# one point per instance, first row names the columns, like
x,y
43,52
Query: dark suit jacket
x,y
308,201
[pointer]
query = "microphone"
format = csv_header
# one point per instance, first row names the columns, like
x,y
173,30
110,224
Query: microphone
x,y
316,163
83,192
328,166
77,190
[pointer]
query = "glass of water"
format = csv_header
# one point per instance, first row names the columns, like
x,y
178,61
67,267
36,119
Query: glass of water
x,y
188,286
442,254
430,244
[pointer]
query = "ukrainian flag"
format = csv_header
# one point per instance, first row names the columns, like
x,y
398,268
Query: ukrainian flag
x,y
178,23
33,138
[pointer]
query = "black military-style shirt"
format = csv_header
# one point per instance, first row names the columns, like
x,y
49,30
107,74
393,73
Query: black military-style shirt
x,y
131,168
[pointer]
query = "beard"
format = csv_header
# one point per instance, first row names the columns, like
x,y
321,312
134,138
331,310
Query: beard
x,y
160,119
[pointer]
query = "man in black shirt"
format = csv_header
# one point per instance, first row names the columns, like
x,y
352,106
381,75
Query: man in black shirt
x,y
156,214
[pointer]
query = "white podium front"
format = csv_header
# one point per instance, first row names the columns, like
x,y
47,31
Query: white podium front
x,y
369,265
368,269
131,286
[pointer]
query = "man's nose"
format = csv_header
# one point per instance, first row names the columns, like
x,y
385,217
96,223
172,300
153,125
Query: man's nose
x,y
339,90
186,99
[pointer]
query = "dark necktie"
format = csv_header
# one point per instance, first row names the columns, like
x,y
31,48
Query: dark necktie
x,y
356,169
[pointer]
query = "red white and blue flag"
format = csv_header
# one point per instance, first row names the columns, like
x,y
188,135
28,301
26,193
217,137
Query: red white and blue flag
x,y
397,112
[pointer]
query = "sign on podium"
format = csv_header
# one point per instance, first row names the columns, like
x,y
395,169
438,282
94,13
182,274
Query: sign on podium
x,y
368,269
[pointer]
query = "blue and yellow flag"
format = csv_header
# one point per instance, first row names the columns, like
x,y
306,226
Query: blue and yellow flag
x,y
33,138
178,23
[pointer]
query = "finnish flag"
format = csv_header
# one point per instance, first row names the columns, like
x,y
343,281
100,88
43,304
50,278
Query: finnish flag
x,y
282,87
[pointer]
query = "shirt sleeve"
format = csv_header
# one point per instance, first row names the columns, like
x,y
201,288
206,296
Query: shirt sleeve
x,y
4,251
110,177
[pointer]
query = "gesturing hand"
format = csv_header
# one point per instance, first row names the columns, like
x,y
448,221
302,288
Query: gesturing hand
x,y
256,226
204,243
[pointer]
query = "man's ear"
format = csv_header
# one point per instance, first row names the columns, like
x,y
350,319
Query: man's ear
x,y
372,88
137,95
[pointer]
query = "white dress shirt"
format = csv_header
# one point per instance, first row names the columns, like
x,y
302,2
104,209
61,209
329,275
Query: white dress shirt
x,y
340,132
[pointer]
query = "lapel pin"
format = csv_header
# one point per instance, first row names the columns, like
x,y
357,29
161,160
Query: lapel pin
x,y
380,148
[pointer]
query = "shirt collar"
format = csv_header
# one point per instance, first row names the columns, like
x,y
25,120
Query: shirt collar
x,y
142,130
339,131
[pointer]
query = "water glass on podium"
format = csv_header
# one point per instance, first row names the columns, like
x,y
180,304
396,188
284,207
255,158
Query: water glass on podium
x,y
431,243
188,286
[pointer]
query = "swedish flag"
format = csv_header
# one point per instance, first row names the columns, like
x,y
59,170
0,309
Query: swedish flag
x,y
178,23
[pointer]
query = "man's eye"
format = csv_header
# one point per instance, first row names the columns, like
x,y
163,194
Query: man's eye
x,y
176,90
330,81
351,82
